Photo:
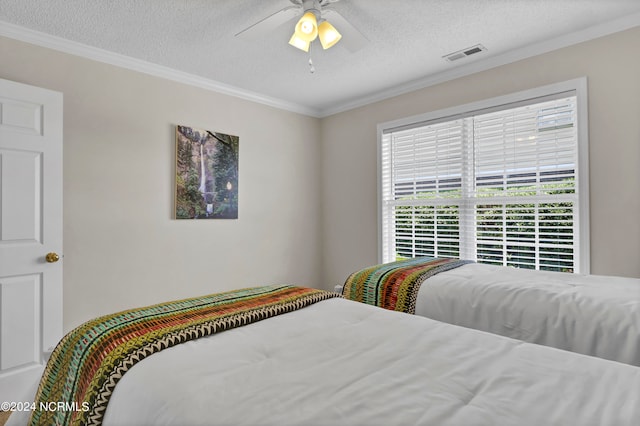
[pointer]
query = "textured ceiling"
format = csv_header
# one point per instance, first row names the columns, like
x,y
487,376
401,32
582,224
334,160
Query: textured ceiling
x,y
407,39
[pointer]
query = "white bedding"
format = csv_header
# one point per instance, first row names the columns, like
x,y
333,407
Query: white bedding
x,y
588,314
340,362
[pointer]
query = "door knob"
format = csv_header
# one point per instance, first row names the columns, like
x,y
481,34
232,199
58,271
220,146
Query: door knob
x,y
52,257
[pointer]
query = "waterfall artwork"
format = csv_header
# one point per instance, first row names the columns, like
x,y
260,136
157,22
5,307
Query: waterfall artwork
x,y
206,174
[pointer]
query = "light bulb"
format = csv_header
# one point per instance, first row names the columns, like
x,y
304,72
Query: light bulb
x,y
307,27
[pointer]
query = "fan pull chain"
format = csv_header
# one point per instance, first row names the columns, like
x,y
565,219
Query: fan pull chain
x,y
312,68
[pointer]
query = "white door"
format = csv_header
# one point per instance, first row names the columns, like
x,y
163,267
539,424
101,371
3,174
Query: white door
x,y
30,228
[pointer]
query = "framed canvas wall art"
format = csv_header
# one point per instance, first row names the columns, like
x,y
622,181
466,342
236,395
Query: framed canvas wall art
x,y
206,174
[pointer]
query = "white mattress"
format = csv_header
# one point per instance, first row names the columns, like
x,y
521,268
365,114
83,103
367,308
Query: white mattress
x,y
340,362
588,314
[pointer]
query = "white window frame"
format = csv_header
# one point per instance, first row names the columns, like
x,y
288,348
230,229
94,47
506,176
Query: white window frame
x,y
577,87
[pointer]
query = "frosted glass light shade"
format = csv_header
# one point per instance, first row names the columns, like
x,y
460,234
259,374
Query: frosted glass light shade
x,y
307,27
328,35
299,43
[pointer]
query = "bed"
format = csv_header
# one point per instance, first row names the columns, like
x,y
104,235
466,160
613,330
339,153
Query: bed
x,y
587,314
285,355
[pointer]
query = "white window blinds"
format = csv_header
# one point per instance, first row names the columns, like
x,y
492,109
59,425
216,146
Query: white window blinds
x,y
498,186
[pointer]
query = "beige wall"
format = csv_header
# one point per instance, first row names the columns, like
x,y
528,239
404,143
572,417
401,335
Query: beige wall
x,y
122,247
349,174
308,194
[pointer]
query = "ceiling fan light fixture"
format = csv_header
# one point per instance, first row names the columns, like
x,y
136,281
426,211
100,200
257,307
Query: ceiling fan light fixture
x,y
328,34
307,27
299,43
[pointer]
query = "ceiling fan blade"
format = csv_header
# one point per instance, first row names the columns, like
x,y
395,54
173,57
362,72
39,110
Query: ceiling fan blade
x,y
269,23
352,39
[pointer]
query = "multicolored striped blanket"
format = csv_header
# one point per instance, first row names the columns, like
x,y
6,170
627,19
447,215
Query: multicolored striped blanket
x,y
88,362
395,285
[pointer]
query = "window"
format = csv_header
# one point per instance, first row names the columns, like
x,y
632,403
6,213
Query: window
x,y
502,182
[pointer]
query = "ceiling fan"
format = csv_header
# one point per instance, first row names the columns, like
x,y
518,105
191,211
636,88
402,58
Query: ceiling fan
x,y
316,20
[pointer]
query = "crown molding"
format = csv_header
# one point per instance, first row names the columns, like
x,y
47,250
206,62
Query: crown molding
x,y
535,49
78,49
